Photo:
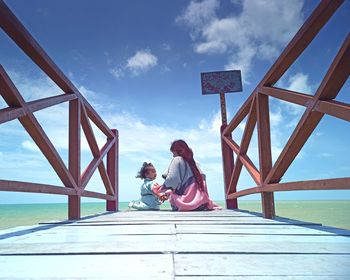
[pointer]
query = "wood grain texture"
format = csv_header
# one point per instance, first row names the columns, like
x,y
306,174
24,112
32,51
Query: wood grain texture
x,y
224,244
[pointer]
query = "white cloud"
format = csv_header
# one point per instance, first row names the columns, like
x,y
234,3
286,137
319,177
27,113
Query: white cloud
x,y
241,126
284,116
108,58
87,93
165,69
54,120
346,168
141,61
325,155
213,125
34,88
166,47
200,137
259,32
2,103
30,146
243,61
300,82
198,14
276,117
117,72
218,36
267,51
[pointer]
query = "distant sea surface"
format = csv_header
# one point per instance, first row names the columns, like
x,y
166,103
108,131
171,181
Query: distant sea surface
x,y
333,213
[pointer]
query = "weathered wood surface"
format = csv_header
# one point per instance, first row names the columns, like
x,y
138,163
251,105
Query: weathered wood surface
x,y
171,245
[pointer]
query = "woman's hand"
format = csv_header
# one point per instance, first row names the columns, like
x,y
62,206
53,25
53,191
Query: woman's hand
x,y
162,196
166,194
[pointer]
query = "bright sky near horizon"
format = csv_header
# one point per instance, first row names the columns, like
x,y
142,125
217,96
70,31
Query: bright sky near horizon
x,y
139,62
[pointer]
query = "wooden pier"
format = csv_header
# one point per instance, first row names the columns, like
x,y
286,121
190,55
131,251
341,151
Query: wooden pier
x,y
161,245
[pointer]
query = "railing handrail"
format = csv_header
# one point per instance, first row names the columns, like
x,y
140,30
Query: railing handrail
x,y
80,115
256,109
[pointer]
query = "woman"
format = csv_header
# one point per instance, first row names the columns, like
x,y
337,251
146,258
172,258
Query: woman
x,y
186,181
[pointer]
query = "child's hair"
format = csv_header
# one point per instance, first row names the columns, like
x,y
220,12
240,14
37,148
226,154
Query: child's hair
x,y
142,173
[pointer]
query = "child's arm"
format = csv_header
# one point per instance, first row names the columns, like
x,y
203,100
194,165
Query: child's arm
x,y
157,190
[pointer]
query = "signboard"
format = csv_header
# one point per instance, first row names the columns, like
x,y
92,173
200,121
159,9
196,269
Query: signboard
x,y
221,82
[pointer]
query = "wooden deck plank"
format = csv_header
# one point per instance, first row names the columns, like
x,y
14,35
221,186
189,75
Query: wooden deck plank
x,y
143,229
261,229
177,245
146,244
180,218
241,238
245,245
260,265
261,277
52,244
138,266
183,219
223,217
164,243
131,229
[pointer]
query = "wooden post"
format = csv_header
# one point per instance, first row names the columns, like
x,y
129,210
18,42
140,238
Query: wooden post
x,y
228,164
74,201
223,109
112,171
227,156
265,158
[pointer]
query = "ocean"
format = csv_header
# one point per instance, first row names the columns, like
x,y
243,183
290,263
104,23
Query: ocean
x,y
333,213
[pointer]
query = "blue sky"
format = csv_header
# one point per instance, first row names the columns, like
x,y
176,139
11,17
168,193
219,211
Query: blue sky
x,y
139,63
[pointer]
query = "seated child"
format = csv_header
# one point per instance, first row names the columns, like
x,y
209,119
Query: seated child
x,y
149,199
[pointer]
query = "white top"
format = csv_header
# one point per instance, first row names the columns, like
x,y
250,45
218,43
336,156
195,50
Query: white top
x,y
178,172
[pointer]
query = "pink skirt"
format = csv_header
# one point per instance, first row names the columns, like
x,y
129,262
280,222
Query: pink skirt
x,y
192,199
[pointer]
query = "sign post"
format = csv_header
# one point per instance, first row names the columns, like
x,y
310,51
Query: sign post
x,y
221,83
223,109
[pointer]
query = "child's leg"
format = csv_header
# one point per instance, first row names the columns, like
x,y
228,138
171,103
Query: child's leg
x,y
139,205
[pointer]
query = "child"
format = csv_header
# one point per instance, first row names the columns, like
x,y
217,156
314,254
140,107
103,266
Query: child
x,y
149,200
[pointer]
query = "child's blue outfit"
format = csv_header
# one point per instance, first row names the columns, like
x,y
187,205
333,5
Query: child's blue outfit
x,y
148,200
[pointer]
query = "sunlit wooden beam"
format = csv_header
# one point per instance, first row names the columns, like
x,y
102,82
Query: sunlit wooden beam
x,y
89,171
13,98
301,40
16,186
328,89
325,184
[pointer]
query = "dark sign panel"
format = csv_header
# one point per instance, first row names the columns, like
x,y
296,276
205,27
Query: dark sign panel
x,y
221,82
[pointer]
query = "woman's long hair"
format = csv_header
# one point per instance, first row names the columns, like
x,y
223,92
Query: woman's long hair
x,y
182,149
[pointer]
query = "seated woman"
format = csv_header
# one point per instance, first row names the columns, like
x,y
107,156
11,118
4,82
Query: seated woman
x,y
184,183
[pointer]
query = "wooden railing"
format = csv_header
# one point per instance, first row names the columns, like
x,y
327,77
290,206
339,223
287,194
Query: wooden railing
x,y
80,115
256,107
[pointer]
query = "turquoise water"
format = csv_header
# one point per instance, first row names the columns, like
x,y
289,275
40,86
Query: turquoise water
x,y
330,213
334,213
